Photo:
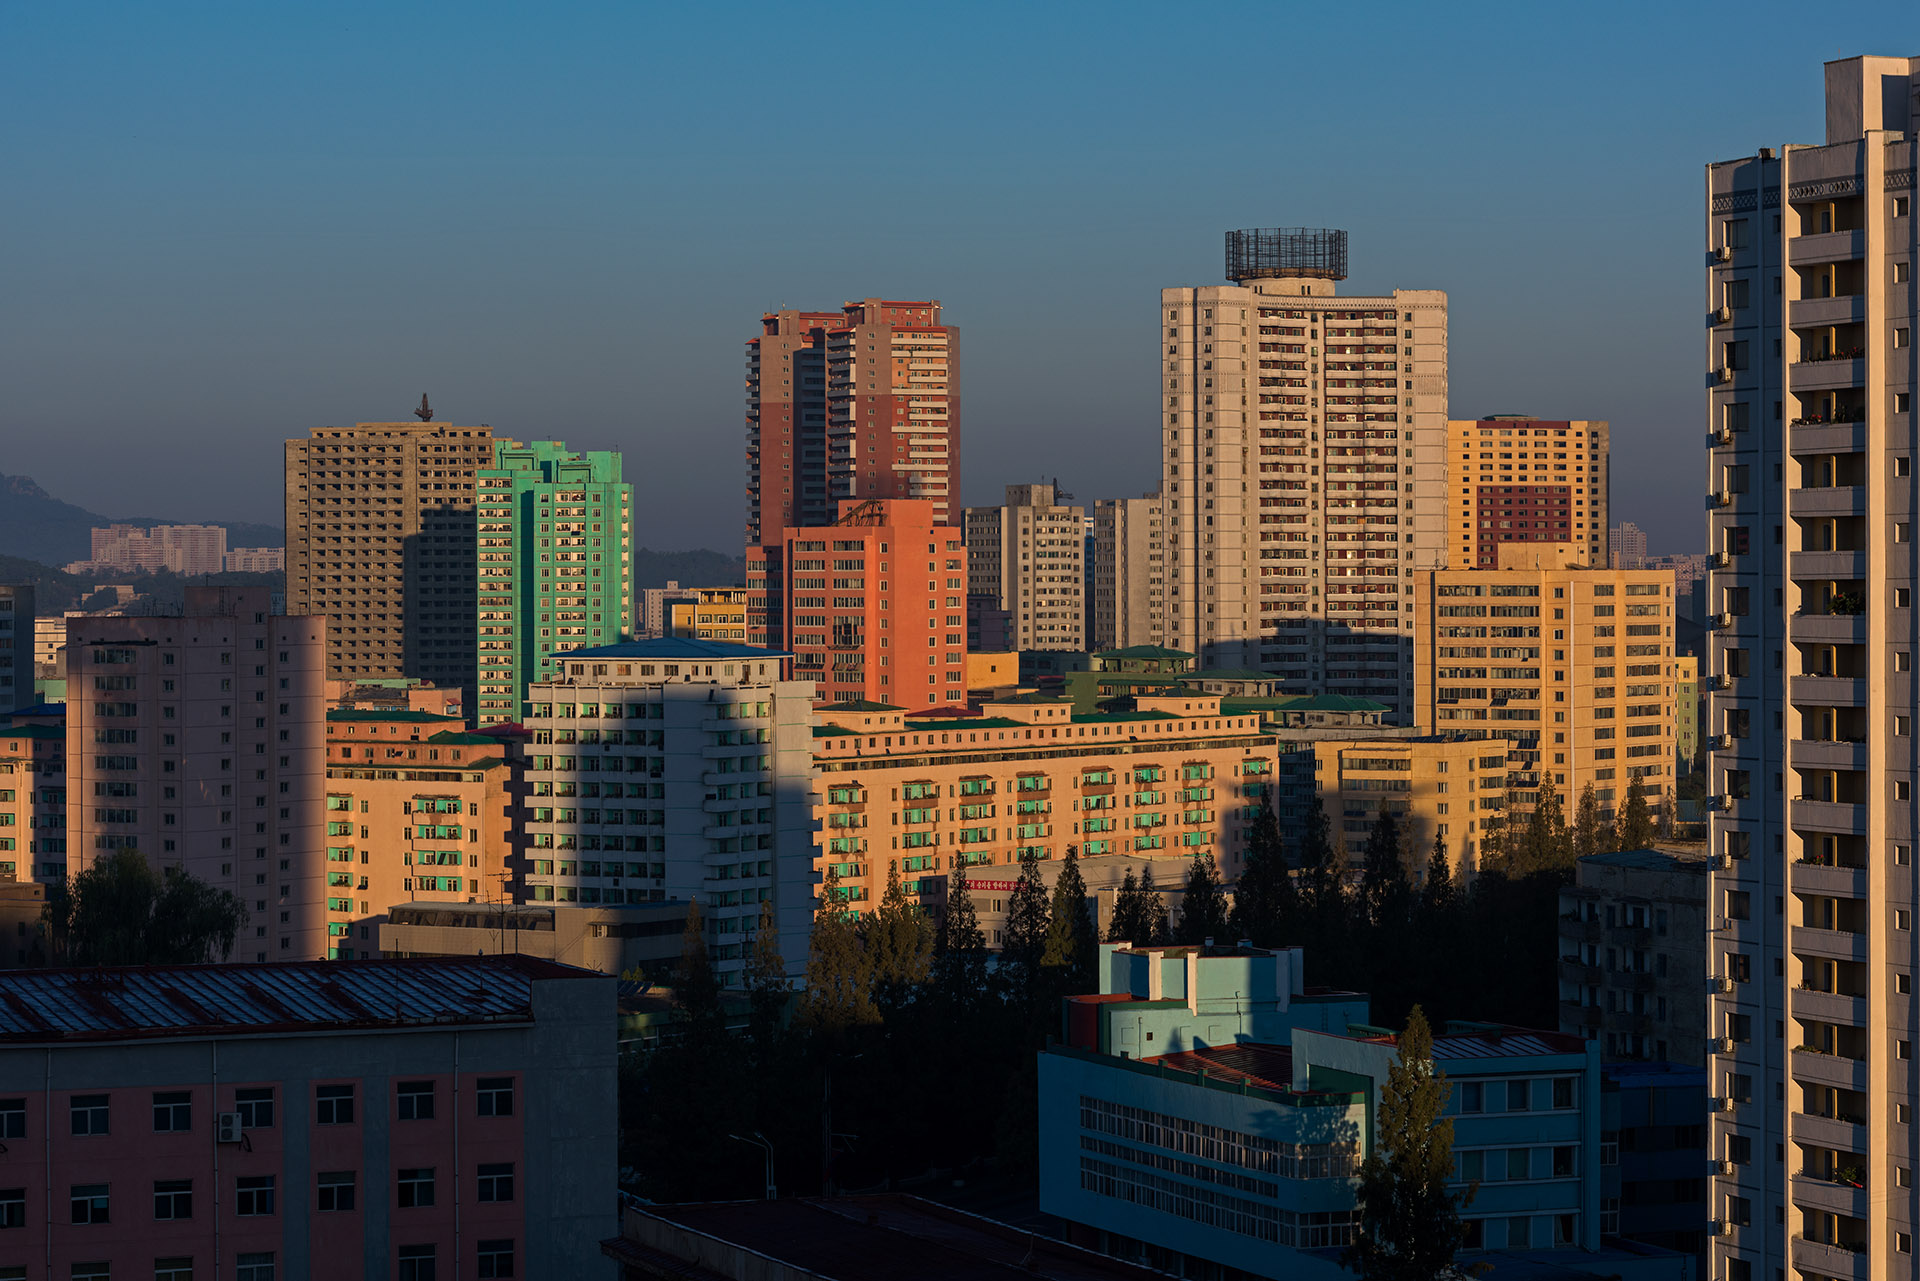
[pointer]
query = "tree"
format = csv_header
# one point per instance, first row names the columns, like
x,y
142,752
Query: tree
x,y
1383,880
1669,813
1587,824
120,911
960,949
1203,908
1634,828
1319,861
1026,931
1544,843
1265,903
1410,1224
1070,950
899,943
1438,894
1125,927
766,983
1153,911
695,988
839,990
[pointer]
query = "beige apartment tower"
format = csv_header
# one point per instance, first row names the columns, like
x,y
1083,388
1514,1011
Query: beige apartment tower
x,y
381,539
1304,467
1810,370
1516,479
1029,556
1129,573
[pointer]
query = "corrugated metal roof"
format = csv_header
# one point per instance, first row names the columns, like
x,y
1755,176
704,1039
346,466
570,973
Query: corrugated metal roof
x,y
160,1001
1513,1044
668,647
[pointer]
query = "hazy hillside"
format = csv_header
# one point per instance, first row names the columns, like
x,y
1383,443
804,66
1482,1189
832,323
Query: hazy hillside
x,y
36,526
689,569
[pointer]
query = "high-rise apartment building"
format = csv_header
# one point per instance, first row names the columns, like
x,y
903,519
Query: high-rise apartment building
x,y
16,647
1129,574
1810,371
33,801
1574,666
1516,479
1304,469
855,404
200,740
1029,557
676,768
1627,546
380,539
872,607
555,564
1633,955
180,549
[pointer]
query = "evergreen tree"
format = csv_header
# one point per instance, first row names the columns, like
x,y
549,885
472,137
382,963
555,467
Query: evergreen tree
x,y
124,911
695,988
1125,925
1634,829
766,984
899,943
1319,862
960,950
1545,843
1669,814
1587,824
1410,1223
1265,903
1438,893
1026,932
1153,911
1071,948
1203,908
839,991
1383,883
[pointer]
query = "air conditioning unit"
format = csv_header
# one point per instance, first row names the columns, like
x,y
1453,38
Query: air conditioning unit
x,y
1717,1227
1721,983
1719,1103
1723,1167
1723,560
1721,621
1722,498
1722,1045
1720,680
1719,742
1721,862
1723,437
1723,254
1721,315
228,1126
1723,374
1716,803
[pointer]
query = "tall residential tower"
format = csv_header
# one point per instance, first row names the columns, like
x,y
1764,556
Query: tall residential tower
x,y
1029,558
1809,319
1304,469
1516,479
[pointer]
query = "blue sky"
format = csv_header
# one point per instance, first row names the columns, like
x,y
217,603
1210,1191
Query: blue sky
x,y
226,224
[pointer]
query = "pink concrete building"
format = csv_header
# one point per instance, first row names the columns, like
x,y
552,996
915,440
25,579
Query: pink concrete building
x,y
423,1120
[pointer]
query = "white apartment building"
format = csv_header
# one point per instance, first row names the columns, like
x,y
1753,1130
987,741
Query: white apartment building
x,y
688,752
1304,471
1030,557
1128,574
1810,313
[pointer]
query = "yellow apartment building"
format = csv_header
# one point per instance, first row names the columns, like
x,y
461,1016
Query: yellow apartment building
x,y
33,803
1173,778
418,809
1444,785
714,613
1516,479
1574,666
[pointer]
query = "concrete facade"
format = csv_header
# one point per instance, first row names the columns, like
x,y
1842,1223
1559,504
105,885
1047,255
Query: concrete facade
x,y
33,802
1304,476
1634,944
1436,786
1129,573
16,648
1810,371
1029,558
1514,479
200,741
610,940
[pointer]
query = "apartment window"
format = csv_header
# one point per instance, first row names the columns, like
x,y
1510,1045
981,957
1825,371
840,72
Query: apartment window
x,y
1740,1211
173,1199
1903,336
13,1118
255,1266
95,1271
255,1107
416,1100
416,1187
89,1113
172,1112
1518,1094
179,1268
335,1190
13,1207
416,1263
89,1202
496,1259
253,1195
1901,919
496,1095
496,1182
333,1104
1472,1097
1900,205
1900,270
1900,464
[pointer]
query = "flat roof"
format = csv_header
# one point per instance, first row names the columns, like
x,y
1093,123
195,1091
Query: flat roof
x,y
1268,1066
377,714
159,1001
671,647
1142,651
1651,860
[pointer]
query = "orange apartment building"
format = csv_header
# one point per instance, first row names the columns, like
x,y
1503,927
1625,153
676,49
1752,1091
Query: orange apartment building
x,y
1514,479
873,606
418,809
33,802
1174,778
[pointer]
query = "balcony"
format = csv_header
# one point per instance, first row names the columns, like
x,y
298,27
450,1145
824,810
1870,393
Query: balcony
x,y
1828,1007
1816,1068
1848,309
1838,817
1827,438
1833,945
1846,566
1828,629
1834,1195
1577,971
1816,753
1830,691
1829,881
1826,246
1835,1261
1831,1132
1574,1014
1836,374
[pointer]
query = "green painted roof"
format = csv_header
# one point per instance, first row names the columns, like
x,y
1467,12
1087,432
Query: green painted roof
x,y
1032,698
1143,651
1337,703
1228,674
862,705
361,714
1131,678
971,722
461,736
33,731
1108,718
831,731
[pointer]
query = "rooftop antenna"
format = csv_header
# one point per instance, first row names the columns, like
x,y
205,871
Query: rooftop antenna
x,y
425,412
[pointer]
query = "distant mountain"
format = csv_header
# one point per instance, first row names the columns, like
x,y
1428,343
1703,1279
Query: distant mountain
x,y
36,526
690,569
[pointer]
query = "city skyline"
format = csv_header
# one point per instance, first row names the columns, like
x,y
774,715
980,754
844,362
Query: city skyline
x,y
565,242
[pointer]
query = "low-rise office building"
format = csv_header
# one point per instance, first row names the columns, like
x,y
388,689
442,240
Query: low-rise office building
x,y
612,940
379,1119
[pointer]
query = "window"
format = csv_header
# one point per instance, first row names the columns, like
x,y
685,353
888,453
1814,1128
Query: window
x,y
416,1100
89,1113
333,1105
1519,1234
496,1258
173,1199
416,1263
1470,1097
253,1194
416,1188
257,1266
13,1118
496,1095
172,1112
13,1207
336,1190
1517,1092
496,1182
1903,336
96,1271
174,1269
1563,1092
255,1107
89,1202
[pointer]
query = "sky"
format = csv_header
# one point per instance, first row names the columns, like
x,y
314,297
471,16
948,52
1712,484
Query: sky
x,y
224,225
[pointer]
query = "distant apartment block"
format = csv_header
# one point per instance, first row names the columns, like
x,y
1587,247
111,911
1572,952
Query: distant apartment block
x,y
554,561
1129,573
872,606
1627,546
200,741
1516,479
381,540
1634,942
855,404
1438,787
179,549
1304,468
33,802
651,608
399,1119
676,769
256,560
1810,312
710,613
1029,558
17,634
1573,666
